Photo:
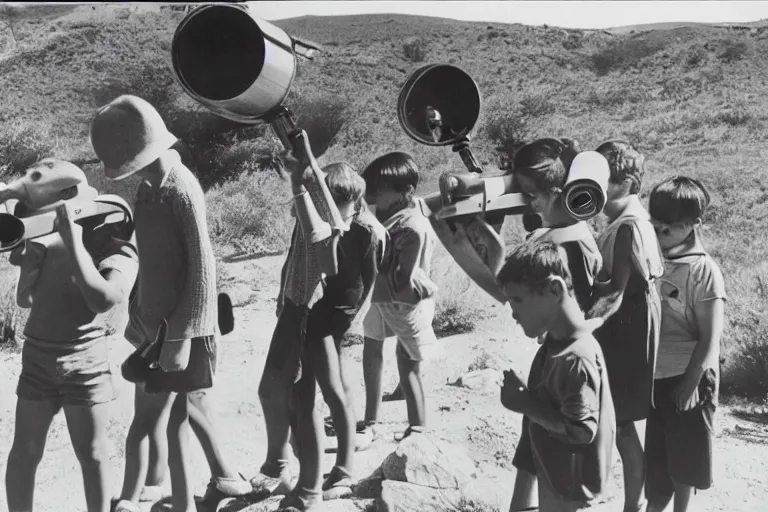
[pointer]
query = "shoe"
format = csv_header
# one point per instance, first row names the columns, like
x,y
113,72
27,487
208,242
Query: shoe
x,y
270,485
152,494
300,501
124,506
338,484
220,488
395,396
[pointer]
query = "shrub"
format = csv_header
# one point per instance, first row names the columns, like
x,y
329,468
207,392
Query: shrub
x,y
733,51
415,49
22,143
624,53
12,318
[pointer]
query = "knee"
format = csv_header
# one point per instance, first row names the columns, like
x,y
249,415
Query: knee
x,y
270,392
92,452
26,452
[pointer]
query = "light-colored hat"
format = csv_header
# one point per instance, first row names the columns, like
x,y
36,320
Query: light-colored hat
x,y
50,183
127,135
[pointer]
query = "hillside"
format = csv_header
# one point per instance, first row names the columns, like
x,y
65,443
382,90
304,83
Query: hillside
x,y
691,97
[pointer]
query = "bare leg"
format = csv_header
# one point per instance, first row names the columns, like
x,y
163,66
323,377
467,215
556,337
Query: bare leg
x,y
87,427
633,462
33,419
151,411
373,363
410,380
182,499
202,425
327,369
309,425
526,493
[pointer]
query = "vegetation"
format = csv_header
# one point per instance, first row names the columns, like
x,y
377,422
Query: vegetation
x,y
691,97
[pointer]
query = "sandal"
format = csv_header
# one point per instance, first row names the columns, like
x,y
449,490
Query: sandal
x,y
395,396
272,485
338,484
412,429
220,488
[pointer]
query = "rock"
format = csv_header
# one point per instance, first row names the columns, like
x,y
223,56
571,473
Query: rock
x,y
480,380
370,487
424,460
405,497
271,505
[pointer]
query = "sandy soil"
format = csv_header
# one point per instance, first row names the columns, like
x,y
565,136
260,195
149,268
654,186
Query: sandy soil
x,y
473,419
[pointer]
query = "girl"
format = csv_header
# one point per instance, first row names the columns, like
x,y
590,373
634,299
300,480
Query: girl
x,y
678,432
541,170
630,307
70,280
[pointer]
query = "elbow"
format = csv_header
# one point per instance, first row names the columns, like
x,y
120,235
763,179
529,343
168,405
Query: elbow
x,y
104,302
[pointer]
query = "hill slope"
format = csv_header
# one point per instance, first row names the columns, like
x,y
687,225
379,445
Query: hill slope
x,y
691,97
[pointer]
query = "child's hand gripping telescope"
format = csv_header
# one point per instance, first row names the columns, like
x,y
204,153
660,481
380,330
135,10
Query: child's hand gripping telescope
x,y
439,105
241,68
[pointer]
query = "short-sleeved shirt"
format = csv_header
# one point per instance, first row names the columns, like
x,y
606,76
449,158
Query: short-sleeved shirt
x,y
571,378
405,277
59,311
687,281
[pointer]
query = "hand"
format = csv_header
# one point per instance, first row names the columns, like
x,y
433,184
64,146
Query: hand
x,y
294,168
174,355
69,231
686,395
514,393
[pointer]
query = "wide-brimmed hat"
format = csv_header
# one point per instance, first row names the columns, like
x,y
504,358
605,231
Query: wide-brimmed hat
x,y
50,183
127,135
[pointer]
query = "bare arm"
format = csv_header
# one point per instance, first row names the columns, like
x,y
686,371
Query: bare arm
x,y
610,294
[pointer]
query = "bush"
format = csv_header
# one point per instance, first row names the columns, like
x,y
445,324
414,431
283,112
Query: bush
x,y
12,318
733,51
415,50
624,53
23,143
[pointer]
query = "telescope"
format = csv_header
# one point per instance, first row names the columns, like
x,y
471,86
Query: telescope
x,y
14,230
242,68
439,105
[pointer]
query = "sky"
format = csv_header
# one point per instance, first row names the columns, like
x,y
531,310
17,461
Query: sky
x,y
569,14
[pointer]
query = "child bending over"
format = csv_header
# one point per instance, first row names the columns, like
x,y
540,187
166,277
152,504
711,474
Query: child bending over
x,y
568,400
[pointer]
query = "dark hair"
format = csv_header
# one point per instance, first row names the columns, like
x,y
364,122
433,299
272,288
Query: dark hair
x,y
678,199
395,170
344,183
546,162
532,263
625,162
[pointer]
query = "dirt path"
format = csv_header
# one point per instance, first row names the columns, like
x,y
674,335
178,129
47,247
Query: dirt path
x,y
474,419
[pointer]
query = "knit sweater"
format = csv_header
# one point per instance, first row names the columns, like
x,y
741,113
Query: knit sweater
x,y
177,267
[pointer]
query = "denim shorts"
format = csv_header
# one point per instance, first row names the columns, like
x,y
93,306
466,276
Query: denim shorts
x,y
68,373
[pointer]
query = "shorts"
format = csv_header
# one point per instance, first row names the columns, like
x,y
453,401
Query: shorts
x,y
678,445
198,374
412,324
523,458
69,373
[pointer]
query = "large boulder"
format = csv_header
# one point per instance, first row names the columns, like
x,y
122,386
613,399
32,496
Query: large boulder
x,y
404,497
424,460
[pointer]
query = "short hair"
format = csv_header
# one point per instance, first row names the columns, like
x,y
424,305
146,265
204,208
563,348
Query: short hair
x,y
679,199
625,162
395,170
532,263
345,184
546,162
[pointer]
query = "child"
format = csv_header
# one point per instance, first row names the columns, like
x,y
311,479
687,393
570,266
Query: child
x,y
630,306
541,170
678,432
175,298
568,401
318,315
403,298
70,281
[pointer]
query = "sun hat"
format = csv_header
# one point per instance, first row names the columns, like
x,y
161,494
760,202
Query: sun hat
x,y
42,187
127,135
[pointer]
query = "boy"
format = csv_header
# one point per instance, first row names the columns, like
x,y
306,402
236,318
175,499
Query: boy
x,y
572,425
403,297
70,280
175,299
